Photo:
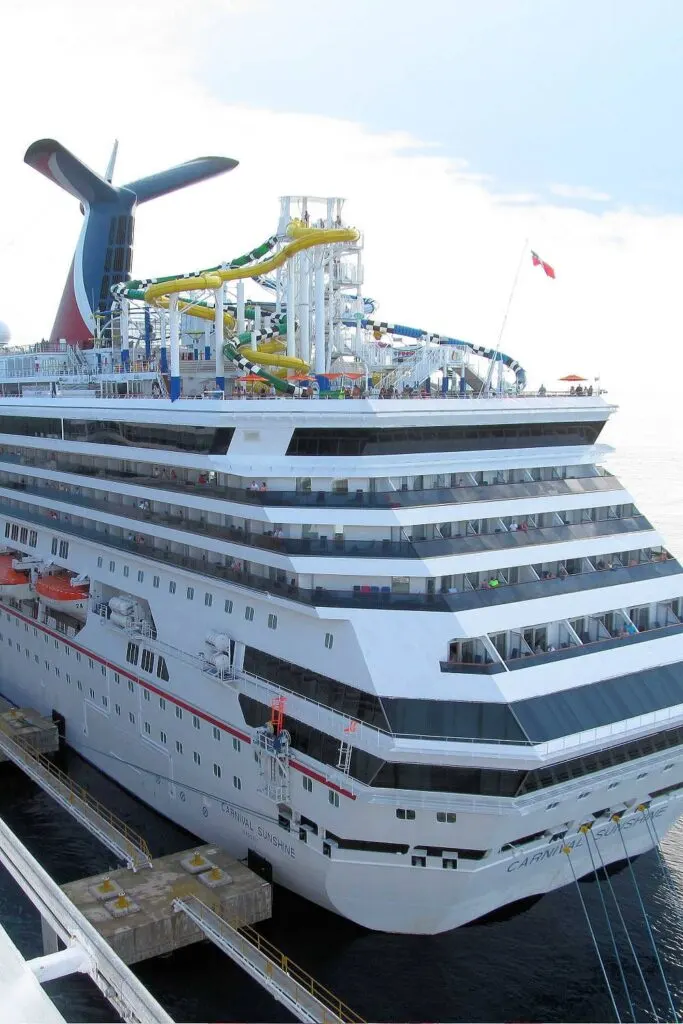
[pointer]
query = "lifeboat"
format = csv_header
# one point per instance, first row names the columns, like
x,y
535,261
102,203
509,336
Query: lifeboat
x,y
13,582
57,592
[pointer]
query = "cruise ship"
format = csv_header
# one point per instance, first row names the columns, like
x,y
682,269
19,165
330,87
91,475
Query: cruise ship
x,y
334,593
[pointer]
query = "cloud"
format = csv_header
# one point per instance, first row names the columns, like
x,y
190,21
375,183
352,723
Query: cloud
x,y
441,247
581,193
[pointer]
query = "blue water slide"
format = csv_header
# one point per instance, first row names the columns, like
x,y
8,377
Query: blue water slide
x,y
402,331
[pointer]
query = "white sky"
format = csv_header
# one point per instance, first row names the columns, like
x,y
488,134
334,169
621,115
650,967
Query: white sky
x,y
442,244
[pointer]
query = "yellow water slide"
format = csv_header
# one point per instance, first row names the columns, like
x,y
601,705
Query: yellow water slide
x,y
303,237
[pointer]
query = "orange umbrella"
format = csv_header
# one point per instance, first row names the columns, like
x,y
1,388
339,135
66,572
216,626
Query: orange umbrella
x,y
573,378
253,377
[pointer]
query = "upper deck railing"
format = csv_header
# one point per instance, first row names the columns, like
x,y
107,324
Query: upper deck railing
x,y
58,364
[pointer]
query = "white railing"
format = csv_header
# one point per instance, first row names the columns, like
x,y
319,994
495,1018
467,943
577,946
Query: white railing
x,y
115,980
416,369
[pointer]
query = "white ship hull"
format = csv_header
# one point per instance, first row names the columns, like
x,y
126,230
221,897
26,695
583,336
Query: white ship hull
x,y
385,894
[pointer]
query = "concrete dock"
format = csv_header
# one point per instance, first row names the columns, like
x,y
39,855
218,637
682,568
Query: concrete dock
x,y
133,911
28,727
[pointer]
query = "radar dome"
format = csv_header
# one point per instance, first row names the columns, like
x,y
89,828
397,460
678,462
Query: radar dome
x,y
5,334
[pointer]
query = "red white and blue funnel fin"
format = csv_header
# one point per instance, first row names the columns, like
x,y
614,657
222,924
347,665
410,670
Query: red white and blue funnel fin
x,y
104,251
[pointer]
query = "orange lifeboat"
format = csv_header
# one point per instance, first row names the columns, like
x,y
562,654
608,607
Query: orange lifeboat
x,y
56,591
13,583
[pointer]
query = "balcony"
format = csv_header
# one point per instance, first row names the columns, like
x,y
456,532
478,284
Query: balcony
x,y
355,596
338,546
602,644
537,589
165,480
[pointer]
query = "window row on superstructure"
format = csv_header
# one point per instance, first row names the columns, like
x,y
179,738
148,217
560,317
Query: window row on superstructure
x,y
366,441
524,722
347,492
421,540
378,773
173,436
551,641
323,441
440,593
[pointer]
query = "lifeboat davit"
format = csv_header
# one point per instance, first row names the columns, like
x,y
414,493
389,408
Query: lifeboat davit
x,y
56,591
13,582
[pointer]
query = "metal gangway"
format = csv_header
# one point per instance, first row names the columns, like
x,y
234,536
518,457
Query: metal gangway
x,y
86,951
98,819
294,988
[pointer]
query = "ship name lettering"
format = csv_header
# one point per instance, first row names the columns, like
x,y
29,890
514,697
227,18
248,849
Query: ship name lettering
x,y
546,854
276,841
602,833
238,816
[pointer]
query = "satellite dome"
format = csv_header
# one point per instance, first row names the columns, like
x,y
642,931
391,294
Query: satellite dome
x,y
5,333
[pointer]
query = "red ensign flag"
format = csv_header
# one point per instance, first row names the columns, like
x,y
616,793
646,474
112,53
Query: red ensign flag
x,y
538,262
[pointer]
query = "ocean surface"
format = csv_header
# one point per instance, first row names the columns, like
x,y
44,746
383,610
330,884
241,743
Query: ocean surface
x,y
538,966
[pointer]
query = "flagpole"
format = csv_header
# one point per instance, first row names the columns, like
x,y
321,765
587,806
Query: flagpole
x,y
512,291
507,312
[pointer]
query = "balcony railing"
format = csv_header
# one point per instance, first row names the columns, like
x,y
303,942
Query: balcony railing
x,y
354,498
358,596
606,644
339,546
